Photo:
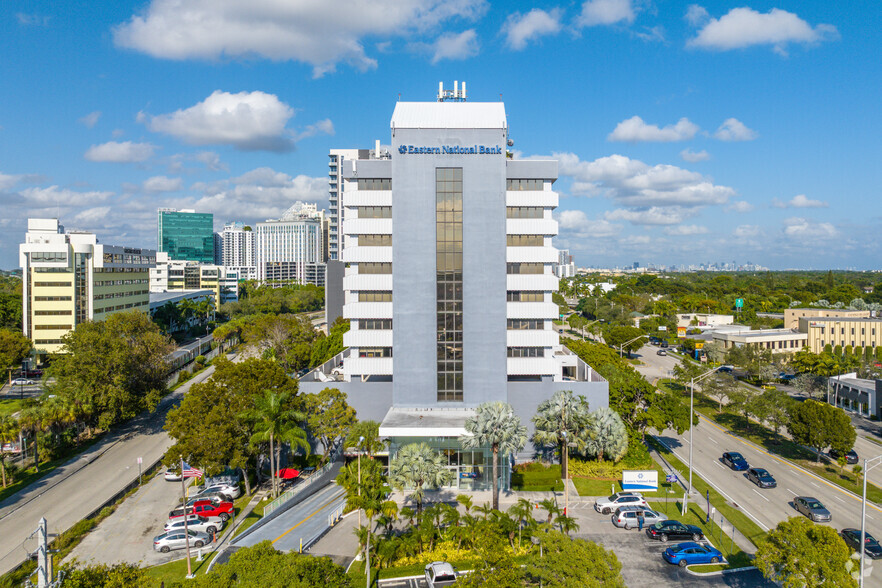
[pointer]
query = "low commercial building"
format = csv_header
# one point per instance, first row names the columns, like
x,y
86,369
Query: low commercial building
x,y
792,315
845,331
70,278
776,340
698,319
854,394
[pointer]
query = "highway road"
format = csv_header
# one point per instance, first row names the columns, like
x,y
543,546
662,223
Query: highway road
x,y
73,491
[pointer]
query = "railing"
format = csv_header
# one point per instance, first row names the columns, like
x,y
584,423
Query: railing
x,y
289,494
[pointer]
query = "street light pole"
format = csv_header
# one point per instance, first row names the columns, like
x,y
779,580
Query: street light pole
x,y
566,485
628,342
360,439
691,428
867,468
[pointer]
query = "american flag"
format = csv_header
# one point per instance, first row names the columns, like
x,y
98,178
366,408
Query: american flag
x,y
189,471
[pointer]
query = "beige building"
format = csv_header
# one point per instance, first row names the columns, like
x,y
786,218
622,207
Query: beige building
x,y
792,315
172,275
70,278
776,340
841,330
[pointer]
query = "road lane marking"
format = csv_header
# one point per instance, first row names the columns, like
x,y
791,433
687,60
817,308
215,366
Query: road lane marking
x,y
792,492
715,443
760,495
315,512
839,499
787,463
813,484
718,464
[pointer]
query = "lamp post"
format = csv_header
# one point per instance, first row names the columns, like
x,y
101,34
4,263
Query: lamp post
x,y
360,440
692,427
585,326
867,467
628,342
566,486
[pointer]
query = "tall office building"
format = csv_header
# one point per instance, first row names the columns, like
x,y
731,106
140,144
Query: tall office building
x,y
70,278
448,284
289,249
186,234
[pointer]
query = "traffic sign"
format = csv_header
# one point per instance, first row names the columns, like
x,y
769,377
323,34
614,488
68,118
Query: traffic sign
x,y
671,478
739,302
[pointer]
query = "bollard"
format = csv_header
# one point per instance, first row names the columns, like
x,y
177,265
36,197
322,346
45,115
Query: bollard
x,y
301,545
199,555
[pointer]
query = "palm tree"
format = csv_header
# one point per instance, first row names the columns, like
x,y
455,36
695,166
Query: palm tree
x,y
522,511
9,431
605,434
275,419
559,421
495,424
551,507
30,419
418,466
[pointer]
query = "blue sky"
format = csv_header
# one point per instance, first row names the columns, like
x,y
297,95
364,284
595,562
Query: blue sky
x,y
686,132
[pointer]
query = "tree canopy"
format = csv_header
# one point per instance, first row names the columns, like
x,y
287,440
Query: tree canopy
x,y
329,417
820,425
14,347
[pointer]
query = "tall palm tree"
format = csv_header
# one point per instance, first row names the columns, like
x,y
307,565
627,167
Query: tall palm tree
x,y
418,466
275,419
30,419
605,435
9,431
495,425
559,421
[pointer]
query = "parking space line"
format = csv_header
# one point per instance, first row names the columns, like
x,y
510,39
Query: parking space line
x,y
760,495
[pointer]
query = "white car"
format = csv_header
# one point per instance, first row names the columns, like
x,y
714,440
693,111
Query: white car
x,y
230,490
22,382
178,540
611,503
440,573
207,525
172,475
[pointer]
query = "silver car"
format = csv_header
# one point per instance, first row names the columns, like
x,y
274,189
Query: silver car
x,y
196,523
232,491
628,517
177,540
812,508
440,573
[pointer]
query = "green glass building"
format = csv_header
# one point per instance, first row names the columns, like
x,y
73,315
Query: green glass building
x,y
186,234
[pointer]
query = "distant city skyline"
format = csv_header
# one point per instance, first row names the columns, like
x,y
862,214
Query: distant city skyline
x,y
685,131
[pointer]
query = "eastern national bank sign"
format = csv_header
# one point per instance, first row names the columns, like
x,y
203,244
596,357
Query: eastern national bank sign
x,y
449,150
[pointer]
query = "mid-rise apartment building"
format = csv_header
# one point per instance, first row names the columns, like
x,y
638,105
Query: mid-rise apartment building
x,y
290,249
185,234
70,278
175,275
239,249
565,266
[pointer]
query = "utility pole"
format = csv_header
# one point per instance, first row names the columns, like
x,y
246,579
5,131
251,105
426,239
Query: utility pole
x,y
45,575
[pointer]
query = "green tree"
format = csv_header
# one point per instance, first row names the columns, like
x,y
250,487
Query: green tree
x,y
274,417
9,431
719,387
121,575
496,568
495,425
625,338
811,385
777,408
417,467
820,425
372,480
370,432
325,348
560,420
14,347
328,417
606,435
573,563
798,554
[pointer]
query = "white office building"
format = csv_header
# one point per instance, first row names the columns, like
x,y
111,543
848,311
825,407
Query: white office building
x,y
289,249
448,283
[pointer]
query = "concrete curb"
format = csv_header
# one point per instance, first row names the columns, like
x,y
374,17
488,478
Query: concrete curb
x,y
717,573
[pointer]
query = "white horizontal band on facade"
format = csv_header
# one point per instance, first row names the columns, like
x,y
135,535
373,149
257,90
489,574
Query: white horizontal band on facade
x,y
546,199
531,255
363,282
532,282
532,366
371,254
368,198
532,310
367,310
367,338
367,226
531,226
368,366
530,338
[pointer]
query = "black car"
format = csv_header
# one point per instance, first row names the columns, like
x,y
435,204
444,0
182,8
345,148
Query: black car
x,y
761,478
850,457
852,538
667,530
735,460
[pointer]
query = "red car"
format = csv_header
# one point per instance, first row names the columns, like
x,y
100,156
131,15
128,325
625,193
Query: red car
x,y
205,508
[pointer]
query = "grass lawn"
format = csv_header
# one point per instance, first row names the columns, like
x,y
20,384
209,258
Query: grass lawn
x,y
600,487
254,516
176,571
10,405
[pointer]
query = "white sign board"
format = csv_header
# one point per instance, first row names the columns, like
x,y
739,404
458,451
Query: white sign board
x,y
662,328
640,480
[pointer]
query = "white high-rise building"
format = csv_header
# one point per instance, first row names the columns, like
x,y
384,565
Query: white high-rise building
x,y
239,249
565,267
289,249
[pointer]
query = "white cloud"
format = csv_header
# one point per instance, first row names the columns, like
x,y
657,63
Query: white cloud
x,y
90,120
325,127
211,160
633,183
115,152
745,27
576,223
249,121
733,129
696,15
653,215
694,156
746,231
799,201
805,230
53,196
259,194
307,31
686,230
7,182
634,130
520,29
455,46
92,216
33,19
656,33
605,12
162,184
740,206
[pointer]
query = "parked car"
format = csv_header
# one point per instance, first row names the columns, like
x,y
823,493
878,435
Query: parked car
x,y
785,377
661,352
172,475
22,382
726,369
440,573
812,508
850,457
735,460
667,530
196,523
214,497
852,538
178,540
205,508
609,504
684,554
628,517
761,478
232,491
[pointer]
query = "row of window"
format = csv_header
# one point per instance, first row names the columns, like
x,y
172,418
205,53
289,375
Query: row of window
x,y
842,343
375,268
375,352
52,284
519,296
526,352
520,185
525,324
119,270
121,307
126,258
524,212
375,240
49,256
51,270
52,298
524,268
52,327
525,240
382,296
374,183
375,324
120,294
842,331
53,313
47,341
374,212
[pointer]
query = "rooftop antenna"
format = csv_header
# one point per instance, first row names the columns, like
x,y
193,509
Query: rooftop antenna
x,y
454,95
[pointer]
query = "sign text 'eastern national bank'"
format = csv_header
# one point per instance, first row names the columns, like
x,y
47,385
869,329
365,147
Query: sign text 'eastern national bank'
x,y
450,150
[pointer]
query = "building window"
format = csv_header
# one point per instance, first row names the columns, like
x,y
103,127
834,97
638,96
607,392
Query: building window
x,y
525,268
374,240
517,296
448,281
52,298
374,183
524,212
520,185
374,268
525,324
375,352
375,324
374,212
525,240
384,296
52,284
53,327
53,313
526,352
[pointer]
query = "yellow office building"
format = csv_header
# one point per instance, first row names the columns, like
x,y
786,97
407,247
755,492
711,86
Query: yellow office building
x,y
69,278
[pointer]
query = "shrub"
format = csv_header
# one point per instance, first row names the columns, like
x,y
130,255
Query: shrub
x,y
183,376
200,360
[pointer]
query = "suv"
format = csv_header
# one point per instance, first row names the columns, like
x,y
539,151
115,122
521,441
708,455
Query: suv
x,y
628,517
205,508
440,573
609,504
666,530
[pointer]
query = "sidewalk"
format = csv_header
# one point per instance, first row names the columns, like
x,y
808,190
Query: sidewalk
x,y
340,543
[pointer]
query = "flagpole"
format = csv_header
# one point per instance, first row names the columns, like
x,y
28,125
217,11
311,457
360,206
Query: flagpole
x,y
186,530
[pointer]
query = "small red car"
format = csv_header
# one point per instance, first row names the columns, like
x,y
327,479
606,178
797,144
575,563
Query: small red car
x,y
205,508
